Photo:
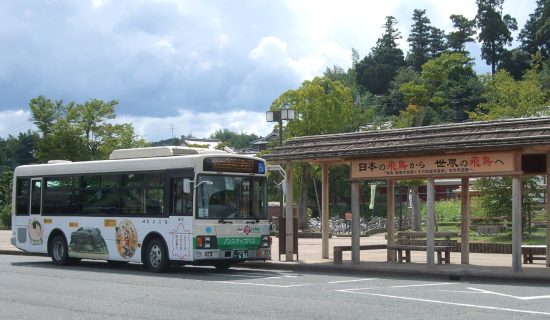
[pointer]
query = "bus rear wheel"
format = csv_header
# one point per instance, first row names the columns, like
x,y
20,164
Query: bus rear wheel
x,y
156,258
59,251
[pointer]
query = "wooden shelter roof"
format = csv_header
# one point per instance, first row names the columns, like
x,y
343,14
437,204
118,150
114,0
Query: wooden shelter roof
x,y
531,135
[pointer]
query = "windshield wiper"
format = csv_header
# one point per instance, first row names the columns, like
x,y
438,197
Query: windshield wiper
x,y
222,220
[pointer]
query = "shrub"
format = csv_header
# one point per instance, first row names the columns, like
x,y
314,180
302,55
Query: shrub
x,y
445,210
5,216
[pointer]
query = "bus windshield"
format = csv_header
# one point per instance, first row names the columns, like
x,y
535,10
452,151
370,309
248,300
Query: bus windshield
x,y
231,197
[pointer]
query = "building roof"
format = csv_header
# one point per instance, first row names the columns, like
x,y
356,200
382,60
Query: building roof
x,y
531,135
265,140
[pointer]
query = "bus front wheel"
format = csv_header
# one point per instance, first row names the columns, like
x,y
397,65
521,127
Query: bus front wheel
x,y
157,256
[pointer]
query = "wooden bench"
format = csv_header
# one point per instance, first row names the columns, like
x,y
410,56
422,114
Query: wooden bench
x,y
533,252
339,249
416,241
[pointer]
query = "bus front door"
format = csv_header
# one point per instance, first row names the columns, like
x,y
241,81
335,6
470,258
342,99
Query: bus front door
x,y
35,226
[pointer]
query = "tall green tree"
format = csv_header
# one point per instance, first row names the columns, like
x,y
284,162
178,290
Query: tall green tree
x,y
437,42
535,35
495,31
464,32
79,131
377,69
322,106
419,40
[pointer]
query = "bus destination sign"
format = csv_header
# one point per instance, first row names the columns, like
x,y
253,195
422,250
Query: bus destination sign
x,y
230,164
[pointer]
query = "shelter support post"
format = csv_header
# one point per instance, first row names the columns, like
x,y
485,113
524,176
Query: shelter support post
x,y
430,204
289,213
548,209
390,225
465,214
355,232
516,224
324,210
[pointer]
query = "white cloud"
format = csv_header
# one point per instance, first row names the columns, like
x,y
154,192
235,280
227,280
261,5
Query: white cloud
x,y
200,125
213,57
12,122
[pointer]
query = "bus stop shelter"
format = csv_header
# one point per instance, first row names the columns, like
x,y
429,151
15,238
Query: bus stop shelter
x,y
514,148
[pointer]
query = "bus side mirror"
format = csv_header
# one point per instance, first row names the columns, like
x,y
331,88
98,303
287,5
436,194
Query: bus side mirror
x,y
186,185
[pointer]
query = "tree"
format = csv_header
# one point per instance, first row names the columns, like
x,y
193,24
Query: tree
x,y
437,42
234,139
509,98
322,106
20,150
419,40
495,31
516,62
5,198
535,35
465,29
445,92
377,69
79,131
394,102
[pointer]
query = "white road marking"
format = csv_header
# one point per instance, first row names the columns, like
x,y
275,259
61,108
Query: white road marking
x,y
407,286
257,276
424,285
509,295
355,280
264,284
448,303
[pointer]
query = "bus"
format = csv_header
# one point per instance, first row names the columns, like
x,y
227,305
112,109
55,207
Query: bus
x,y
160,206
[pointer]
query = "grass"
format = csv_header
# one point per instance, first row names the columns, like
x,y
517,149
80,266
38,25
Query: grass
x,y
448,217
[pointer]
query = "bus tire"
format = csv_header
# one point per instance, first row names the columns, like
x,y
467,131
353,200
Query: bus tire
x,y
59,251
156,257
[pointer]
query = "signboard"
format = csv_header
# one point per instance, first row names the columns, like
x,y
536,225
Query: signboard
x,y
230,164
440,166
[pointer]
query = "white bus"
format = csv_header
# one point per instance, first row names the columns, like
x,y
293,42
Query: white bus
x,y
159,206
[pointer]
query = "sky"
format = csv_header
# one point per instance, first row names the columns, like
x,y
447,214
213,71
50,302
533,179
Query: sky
x,y
180,67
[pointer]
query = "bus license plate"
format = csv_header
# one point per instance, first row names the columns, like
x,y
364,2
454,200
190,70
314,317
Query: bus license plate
x,y
240,254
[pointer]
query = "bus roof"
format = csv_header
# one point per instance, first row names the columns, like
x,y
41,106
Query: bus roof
x,y
154,163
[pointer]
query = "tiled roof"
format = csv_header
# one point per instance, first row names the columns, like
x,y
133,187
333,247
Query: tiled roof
x,y
511,134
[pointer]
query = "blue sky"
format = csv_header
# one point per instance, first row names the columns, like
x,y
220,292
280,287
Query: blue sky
x,y
196,65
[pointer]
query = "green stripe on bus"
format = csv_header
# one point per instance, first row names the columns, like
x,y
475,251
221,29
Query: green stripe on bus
x,y
235,242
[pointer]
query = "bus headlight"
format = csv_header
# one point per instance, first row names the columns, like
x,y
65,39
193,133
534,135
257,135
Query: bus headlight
x,y
206,242
266,240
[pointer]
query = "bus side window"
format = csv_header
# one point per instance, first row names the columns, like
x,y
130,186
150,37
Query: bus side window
x,y
22,197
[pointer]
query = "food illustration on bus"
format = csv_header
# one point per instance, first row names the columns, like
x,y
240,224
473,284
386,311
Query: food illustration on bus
x,y
35,231
88,243
126,239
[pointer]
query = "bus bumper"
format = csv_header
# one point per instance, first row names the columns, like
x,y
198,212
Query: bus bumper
x,y
12,241
239,255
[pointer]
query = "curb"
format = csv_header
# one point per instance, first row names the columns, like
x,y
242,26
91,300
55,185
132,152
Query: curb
x,y
452,275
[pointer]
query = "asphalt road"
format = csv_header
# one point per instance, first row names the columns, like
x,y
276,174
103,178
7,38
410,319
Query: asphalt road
x,y
32,288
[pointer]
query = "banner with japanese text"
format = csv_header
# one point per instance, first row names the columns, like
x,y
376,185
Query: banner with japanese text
x,y
441,166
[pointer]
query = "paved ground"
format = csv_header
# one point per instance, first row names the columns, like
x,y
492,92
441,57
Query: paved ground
x,y
33,288
498,266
